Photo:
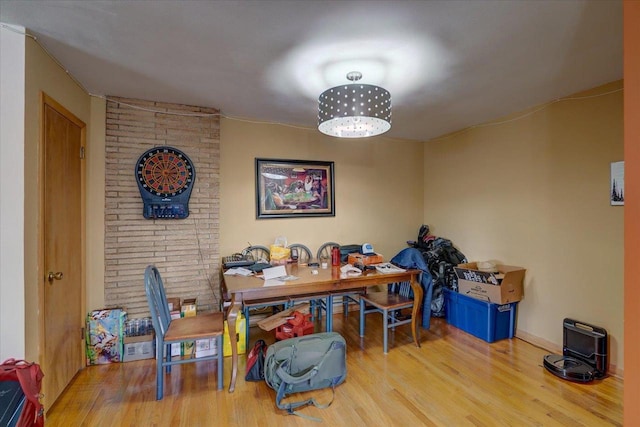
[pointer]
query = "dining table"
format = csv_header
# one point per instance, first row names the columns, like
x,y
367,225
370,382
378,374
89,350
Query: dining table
x,y
302,280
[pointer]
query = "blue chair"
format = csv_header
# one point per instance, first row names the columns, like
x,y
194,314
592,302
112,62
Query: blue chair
x,y
344,297
390,303
315,301
259,254
172,331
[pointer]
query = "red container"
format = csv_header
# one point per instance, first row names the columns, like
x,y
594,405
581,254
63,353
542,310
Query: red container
x,y
335,255
298,326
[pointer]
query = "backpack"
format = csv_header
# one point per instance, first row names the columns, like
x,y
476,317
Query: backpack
x,y
255,362
309,362
29,376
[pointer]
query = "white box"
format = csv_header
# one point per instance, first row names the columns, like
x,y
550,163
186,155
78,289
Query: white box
x,y
138,348
206,348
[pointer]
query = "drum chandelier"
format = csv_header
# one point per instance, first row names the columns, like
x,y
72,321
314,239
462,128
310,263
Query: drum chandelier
x,y
354,110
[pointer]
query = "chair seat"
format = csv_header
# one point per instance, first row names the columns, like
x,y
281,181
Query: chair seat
x,y
387,301
195,328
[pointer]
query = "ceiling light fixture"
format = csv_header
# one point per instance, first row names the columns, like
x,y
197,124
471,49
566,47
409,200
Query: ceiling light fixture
x,y
355,110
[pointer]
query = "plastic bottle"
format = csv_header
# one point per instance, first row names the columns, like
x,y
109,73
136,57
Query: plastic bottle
x,y
335,255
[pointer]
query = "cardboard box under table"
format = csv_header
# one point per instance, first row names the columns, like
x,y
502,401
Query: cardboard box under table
x,y
490,322
139,347
503,287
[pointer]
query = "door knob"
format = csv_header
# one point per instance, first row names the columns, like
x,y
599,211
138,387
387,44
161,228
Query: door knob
x,y
54,276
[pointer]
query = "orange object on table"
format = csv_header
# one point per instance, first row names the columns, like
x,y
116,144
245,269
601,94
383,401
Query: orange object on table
x,y
364,259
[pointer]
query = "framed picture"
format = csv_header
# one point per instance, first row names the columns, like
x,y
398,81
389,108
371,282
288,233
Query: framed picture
x,y
294,188
616,191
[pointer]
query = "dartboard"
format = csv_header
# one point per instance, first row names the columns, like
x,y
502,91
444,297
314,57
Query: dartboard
x,y
165,171
165,178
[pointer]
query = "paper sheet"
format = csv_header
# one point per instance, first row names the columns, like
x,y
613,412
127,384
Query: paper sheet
x,y
238,271
275,276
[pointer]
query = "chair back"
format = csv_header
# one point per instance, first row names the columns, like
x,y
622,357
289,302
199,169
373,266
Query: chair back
x,y
257,252
160,315
304,253
325,250
401,288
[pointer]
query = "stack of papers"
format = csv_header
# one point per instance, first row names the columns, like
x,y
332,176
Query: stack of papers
x,y
387,267
238,271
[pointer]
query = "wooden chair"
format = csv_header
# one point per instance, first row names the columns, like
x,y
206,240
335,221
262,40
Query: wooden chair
x,y
304,256
259,254
324,251
172,331
304,253
391,304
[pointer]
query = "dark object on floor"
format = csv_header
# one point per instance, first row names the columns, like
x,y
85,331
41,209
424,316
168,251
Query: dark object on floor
x,y
584,353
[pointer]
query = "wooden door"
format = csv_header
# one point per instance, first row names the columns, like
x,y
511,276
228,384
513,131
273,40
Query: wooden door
x,y
63,243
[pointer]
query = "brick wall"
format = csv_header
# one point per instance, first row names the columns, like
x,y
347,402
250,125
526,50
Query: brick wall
x,y
186,251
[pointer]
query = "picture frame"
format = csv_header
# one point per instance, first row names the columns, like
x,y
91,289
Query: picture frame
x,y
294,188
616,188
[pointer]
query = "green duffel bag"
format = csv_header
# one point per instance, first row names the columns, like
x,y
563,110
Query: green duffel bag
x,y
310,362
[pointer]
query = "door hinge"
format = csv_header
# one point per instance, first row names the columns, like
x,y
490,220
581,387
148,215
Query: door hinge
x,y
82,332
82,152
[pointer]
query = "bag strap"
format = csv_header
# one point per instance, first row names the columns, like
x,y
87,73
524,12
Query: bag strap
x,y
295,405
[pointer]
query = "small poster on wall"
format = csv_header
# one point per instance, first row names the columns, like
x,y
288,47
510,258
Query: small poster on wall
x,y
616,191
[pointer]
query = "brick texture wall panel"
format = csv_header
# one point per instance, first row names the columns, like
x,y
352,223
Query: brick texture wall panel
x,y
185,251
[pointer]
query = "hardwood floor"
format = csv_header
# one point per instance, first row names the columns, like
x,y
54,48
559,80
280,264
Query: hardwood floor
x,y
454,379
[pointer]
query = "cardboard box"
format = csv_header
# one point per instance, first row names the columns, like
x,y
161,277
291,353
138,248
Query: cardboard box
x,y
105,329
174,304
206,348
241,334
187,349
139,347
176,349
487,321
280,318
188,307
364,259
503,287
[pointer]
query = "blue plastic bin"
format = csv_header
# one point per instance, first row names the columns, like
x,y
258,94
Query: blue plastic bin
x,y
482,319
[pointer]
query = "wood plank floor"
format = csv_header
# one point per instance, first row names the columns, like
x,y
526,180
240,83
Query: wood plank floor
x,y
454,379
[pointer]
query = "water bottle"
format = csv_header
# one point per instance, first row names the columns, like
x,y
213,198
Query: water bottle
x,y
335,255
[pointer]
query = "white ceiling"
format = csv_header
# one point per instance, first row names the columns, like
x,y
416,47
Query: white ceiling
x,y
448,64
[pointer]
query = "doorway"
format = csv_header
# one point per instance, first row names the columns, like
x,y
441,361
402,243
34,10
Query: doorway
x,y
62,242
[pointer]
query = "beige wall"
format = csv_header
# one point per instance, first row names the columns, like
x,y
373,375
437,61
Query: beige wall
x,y
534,192
378,181
41,74
95,167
